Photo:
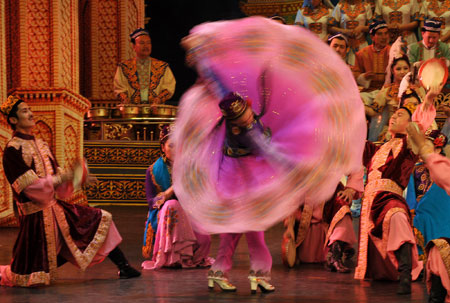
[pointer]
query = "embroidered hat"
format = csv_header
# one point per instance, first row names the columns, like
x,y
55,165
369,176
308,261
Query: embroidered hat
x,y
376,25
232,106
139,32
432,26
438,138
10,105
277,17
338,35
165,131
409,106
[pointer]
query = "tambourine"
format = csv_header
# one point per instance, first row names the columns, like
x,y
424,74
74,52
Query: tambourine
x,y
433,72
80,174
288,245
288,252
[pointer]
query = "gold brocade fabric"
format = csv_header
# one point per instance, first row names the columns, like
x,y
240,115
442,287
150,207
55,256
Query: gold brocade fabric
x,y
366,224
340,214
444,250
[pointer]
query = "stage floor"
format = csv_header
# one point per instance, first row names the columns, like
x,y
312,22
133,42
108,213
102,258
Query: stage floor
x,y
307,283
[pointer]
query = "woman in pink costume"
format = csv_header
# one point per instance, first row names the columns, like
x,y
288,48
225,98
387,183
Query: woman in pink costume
x,y
169,240
302,91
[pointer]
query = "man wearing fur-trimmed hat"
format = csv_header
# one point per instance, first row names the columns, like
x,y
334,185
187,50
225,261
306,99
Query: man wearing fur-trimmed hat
x,y
143,79
430,46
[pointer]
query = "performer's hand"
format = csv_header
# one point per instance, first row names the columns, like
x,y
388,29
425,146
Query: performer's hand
x,y
90,179
66,176
347,194
160,199
368,75
433,92
393,26
418,139
357,30
414,134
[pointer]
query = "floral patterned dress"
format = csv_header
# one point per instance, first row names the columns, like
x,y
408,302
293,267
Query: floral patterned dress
x,y
169,240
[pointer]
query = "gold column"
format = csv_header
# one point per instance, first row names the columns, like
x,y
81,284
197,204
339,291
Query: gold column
x,y
7,217
43,69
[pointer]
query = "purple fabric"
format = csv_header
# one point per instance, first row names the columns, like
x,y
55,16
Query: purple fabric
x,y
150,189
312,107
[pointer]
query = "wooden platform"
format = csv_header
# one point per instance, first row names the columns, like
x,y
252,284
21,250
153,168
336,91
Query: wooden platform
x,y
307,283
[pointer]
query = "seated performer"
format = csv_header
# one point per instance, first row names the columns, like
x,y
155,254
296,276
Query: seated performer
x,y
430,46
169,240
438,166
339,42
387,246
427,201
143,79
241,125
51,232
326,228
372,60
386,101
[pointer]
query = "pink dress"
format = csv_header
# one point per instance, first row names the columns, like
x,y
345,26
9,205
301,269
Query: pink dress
x,y
311,105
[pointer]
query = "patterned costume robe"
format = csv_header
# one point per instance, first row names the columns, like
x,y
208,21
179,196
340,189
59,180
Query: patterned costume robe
x,y
369,59
400,12
389,167
350,16
316,20
127,87
51,232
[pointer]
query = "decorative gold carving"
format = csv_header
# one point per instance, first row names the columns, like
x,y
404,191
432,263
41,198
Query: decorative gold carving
x,y
70,145
66,48
117,131
38,48
442,99
121,190
132,23
108,45
121,155
44,131
12,44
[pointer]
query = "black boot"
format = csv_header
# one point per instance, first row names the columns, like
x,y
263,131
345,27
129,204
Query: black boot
x,y
403,255
347,257
125,270
334,258
437,291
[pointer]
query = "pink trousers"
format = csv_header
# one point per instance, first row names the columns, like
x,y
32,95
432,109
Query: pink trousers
x,y
260,258
436,266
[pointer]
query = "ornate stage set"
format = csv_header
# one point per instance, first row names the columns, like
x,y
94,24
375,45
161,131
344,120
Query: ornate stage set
x,y
61,56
